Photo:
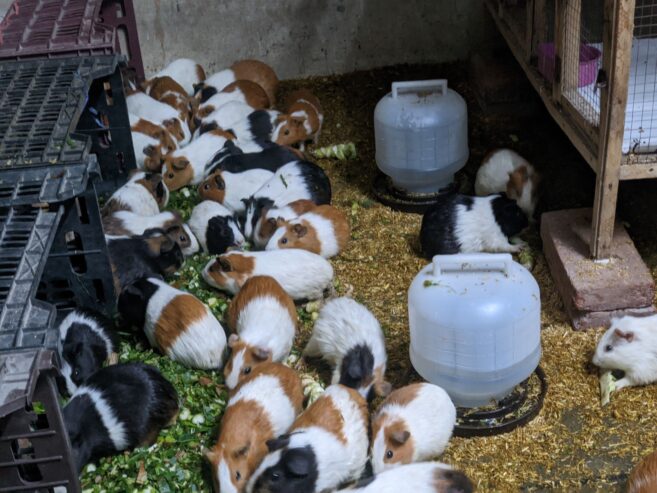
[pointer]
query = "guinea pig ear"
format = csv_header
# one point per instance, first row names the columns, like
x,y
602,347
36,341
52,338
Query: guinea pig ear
x,y
627,335
232,340
298,121
300,230
221,184
400,437
224,263
355,369
297,462
278,443
261,354
383,389
241,452
149,150
180,164
211,456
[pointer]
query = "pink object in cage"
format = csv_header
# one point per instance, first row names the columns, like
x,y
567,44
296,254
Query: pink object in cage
x,y
588,63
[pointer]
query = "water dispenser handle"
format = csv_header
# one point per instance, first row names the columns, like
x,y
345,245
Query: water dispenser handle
x,y
471,262
418,85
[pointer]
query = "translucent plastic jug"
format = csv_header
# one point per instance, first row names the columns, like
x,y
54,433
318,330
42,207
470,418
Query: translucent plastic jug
x,y
475,322
421,133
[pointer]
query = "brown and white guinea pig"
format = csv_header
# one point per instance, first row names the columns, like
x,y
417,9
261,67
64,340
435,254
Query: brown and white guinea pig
x,y
215,227
644,476
225,116
144,193
303,275
151,142
232,158
168,91
271,217
302,121
504,170
244,91
152,254
423,477
185,71
464,224
233,189
264,407
175,322
264,321
87,341
324,231
144,106
349,337
187,165
413,424
293,181
118,408
126,223
253,70
326,447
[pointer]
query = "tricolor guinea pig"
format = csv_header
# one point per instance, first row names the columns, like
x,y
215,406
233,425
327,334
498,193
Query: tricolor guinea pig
x,y
126,223
118,408
166,90
233,189
349,337
644,476
326,446
151,142
324,231
87,341
303,275
215,227
263,319
144,106
224,116
144,194
185,71
254,132
413,424
232,158
152,254
264,407
463,224
253,70
302,121
504,170
629,345
423,477
272,217
242,91
187,165
175,322
293,181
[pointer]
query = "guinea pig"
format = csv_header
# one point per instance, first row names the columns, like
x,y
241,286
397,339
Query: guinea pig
x,y
293,181
144,193
324,231
232,158
264,407
463,224
628,345
144,106
168,91
253,70
504,170
126,223
149,255
264,321
243,91
423,477
413,424
302,121
644,476
271,217
150,141
326,446
87,341
303,275
175,322
349,337
215,227
232,189
118,408
185,71
187,165
224,116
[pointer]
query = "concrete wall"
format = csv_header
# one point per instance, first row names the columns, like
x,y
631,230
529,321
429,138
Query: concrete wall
x,y
310,37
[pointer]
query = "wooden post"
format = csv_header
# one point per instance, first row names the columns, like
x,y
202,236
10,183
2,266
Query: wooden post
x,y
529,31
539,24
617,50
559,38
570,45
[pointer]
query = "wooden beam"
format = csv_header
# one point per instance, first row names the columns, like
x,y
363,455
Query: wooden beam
x,y
539,24
559,37
617,49
529,32
570,26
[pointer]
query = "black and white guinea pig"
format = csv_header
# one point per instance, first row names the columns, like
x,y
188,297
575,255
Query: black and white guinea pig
x,y
87,341
152,254
232,158
215,227
144,193
118,408
294,181
464,224
256,127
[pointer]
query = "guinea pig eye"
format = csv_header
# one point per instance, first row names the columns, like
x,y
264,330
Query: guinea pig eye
x,y
182,238
171,175
274,476
389,454
206,187
238,476
76,372
608,347
283,241
247,370
287,131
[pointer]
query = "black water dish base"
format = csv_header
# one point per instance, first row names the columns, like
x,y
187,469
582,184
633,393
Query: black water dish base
x,y
400,200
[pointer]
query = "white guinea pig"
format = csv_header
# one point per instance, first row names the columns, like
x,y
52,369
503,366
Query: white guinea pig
x,y
349,337
413,424
630,345
504,170
185,72
303,275
144,193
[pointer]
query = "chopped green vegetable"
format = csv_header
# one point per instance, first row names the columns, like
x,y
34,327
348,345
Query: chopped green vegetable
x,y
342,152
607,386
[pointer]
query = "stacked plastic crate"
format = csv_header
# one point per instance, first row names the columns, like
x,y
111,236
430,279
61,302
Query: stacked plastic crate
x,y
64,142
